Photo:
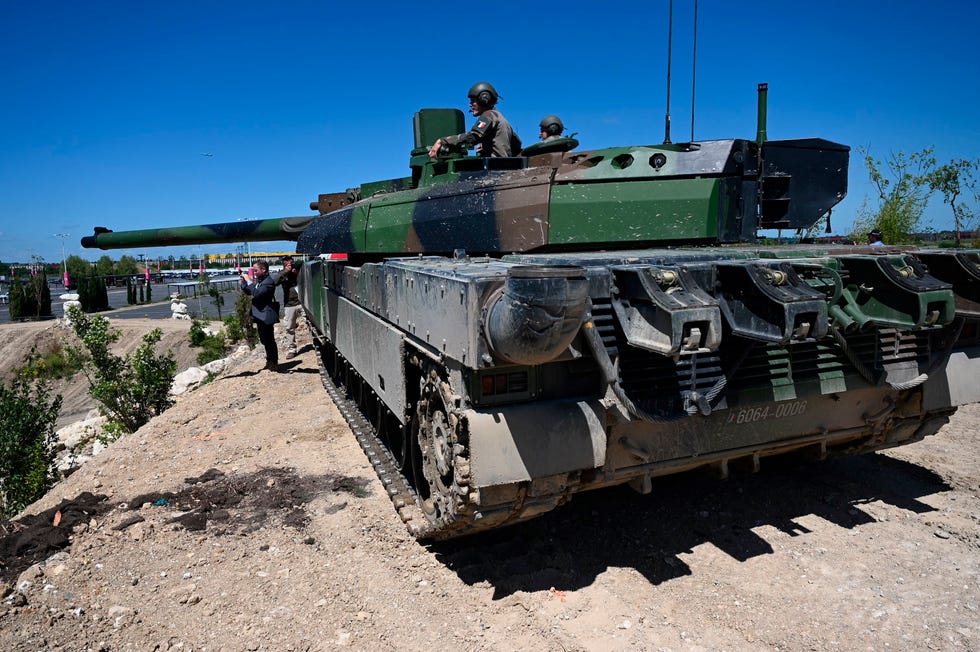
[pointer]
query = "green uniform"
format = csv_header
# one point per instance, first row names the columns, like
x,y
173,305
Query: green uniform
x,y
492,135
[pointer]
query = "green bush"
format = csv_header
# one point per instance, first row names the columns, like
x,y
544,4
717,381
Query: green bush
x,y
130,390
31,300
17,301
27,441
215,348
197,333
233,329
53,365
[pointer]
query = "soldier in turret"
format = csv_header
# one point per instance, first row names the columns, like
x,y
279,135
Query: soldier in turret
x,y
874,238
492,135
551,128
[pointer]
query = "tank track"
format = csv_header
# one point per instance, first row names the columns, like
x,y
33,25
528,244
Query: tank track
x,y
458,512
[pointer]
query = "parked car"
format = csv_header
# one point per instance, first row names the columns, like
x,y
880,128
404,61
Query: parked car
x,y
4,297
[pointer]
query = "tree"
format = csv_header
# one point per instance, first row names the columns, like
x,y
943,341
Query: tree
x,y
903,190
130,390
77,269
105,267
216,295
127,266
92,292
952,179
17,300
38,297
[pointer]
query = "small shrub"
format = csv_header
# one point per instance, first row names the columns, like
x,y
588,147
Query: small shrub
x,y
130,390
233,329
53,365
27,441
215,348
197,333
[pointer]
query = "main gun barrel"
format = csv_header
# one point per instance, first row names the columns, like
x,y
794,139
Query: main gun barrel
x,y
284,228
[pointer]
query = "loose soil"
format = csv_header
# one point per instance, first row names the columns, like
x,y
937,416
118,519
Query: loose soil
x,y
247,518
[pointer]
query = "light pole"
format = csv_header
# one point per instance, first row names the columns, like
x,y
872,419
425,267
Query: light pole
x,y
64,263
248,245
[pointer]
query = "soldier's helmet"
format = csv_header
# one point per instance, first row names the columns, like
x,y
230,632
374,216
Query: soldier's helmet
x,y
552,125
484,93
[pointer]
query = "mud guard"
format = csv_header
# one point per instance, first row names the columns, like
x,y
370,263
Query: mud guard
x,y
521,442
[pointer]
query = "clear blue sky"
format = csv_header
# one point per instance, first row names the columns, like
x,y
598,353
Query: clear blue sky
x,y
107,107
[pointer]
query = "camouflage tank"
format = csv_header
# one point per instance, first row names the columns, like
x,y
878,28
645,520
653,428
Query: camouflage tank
x,y
506,332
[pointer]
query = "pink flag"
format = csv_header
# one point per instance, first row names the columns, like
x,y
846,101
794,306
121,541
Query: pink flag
x,y
147,273
66,278
200,267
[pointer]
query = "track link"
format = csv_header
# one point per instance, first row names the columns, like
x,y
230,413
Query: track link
x,y
465,515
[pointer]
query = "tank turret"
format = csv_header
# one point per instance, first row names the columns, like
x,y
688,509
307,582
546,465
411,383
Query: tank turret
x,y
507,332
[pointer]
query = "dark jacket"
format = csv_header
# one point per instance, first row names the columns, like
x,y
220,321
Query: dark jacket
x,y
263,295
290,296
492,135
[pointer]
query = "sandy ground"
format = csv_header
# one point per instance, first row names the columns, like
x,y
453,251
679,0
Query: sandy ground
x,y
247,518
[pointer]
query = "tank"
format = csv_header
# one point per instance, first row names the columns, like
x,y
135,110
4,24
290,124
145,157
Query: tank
x,y
507,332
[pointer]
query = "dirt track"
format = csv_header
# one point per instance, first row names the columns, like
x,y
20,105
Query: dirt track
x,y
299,549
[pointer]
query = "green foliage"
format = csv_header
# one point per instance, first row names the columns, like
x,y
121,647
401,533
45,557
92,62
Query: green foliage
x,y
27,440
903,191
215,346
52,365
243,310
105,267
951,180
78,268
149,293
92,292
127,266
197,333
42,295
132,389
233,328
215,294
31,300
17,299
142,298
130,292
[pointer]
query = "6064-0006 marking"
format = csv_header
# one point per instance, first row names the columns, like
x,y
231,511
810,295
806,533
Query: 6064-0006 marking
x,y
750,415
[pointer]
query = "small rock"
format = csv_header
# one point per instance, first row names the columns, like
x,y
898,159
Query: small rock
x,y
625,624
942,534
121,616
16,599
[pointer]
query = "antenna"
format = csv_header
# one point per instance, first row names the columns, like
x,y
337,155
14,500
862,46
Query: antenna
x,y
694,69
670,38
